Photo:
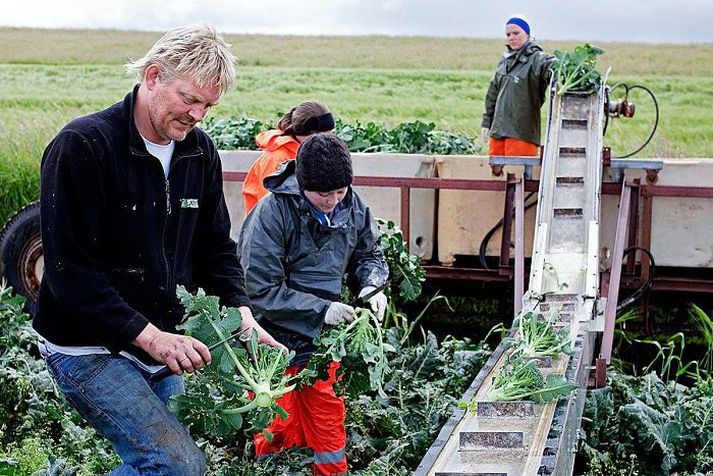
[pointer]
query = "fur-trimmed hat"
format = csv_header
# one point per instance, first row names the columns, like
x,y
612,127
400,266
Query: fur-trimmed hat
x,y
323,164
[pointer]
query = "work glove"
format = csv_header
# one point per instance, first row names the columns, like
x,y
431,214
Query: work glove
x,y
484,135
377,302
338,313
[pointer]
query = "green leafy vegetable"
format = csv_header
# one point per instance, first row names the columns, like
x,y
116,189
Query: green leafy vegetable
x,y
235,132
405,269
666,427
576,70
536,335
391,435
416,137
519,379
36,423
354,343
239,371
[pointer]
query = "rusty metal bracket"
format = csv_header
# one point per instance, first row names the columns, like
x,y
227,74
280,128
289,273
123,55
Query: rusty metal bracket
x,y
519,287
606,156
598,374
652,175
497,162
615,274
496,170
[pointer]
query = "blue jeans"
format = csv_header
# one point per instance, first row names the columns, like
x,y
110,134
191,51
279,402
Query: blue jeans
x,y
127,408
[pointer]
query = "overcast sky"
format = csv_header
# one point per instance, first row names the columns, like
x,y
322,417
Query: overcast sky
x,y
664,21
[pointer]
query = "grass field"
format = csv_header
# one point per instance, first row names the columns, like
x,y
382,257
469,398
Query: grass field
x,y
29,46
47,77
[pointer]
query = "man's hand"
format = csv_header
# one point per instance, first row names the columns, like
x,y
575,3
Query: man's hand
x,y
378,302
263,337
338,313
484,132
180,353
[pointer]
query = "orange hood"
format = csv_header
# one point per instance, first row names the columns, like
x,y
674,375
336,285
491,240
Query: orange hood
x,y
273,139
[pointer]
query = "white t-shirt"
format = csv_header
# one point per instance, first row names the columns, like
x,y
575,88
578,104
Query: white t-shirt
x,y
48,348
162,152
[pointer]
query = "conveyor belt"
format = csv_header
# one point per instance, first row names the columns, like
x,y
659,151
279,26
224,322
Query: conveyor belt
x,y
522,438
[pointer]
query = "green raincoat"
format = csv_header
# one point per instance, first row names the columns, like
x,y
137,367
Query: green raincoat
x,y
517,92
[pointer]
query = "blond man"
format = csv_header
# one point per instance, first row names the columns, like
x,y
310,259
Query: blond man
x,y
132,206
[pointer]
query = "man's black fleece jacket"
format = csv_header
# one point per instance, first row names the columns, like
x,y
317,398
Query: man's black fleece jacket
x,y
118,236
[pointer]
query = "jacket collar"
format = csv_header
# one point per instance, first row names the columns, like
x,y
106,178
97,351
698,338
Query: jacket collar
x,y
512,57
188,147
275,139
527,49
284,181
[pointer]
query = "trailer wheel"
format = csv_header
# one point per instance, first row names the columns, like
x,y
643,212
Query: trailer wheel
x,y
21,257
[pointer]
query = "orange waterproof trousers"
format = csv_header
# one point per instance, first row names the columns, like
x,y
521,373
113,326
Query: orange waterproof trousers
x,y
316,420
513,147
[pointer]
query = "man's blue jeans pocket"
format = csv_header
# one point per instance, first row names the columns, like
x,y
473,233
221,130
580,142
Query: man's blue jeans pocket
x,y
118,400
77,370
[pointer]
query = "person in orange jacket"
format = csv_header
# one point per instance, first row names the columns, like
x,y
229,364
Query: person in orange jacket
x,y
281,144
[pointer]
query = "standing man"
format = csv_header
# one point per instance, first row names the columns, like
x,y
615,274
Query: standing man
x,y
296,246
132,206
511,121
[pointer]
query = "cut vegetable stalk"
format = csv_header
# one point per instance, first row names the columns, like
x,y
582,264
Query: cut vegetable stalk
x,y
518,380
247,378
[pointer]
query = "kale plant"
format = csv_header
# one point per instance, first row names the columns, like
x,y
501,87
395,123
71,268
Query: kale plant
x,y
245,378
390,435
652,420
406,272
536,335
519,379
414,137
360,348
235,132
576,70
38,429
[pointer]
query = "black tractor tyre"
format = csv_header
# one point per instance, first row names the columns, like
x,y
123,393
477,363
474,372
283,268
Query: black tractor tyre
x,y
21,257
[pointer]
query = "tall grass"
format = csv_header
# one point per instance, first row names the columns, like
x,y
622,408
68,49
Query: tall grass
x,y
37,46
20,154
704,323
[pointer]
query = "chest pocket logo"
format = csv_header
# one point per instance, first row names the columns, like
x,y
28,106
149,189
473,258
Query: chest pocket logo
x,y
189,203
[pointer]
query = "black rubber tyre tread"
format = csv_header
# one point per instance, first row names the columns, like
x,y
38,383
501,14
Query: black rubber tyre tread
x,y
13,237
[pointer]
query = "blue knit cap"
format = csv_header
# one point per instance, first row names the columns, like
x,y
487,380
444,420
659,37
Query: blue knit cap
x,y
519,21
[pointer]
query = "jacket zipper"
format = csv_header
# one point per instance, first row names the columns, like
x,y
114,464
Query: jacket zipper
x,y
168,199
163,241
168,291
